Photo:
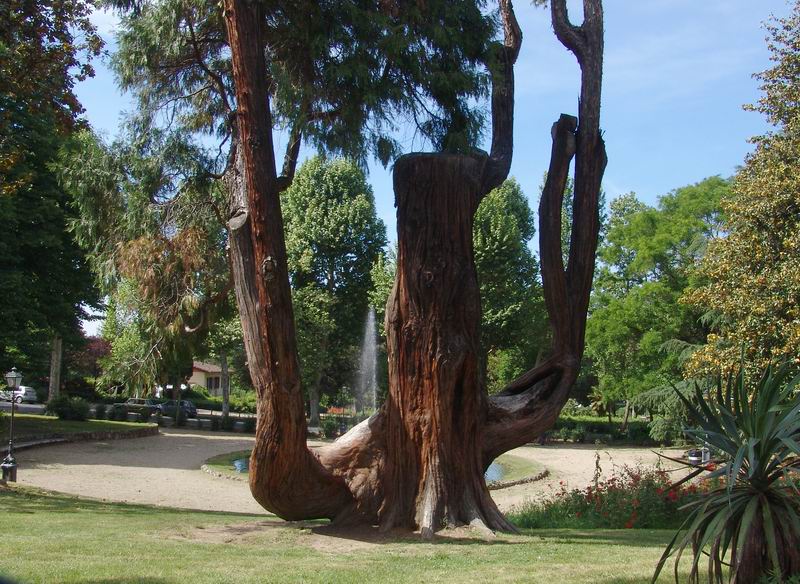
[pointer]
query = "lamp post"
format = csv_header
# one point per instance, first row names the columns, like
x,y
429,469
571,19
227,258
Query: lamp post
x,y
9,464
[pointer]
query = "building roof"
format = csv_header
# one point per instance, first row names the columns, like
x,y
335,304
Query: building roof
x,y
206,367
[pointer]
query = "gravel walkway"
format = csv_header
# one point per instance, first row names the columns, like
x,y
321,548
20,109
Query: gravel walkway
x,y
165,470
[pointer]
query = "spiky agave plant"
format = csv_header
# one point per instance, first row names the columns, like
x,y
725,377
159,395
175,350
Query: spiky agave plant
x,y
752,519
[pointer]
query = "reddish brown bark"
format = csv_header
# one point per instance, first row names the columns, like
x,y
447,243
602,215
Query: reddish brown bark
x,y
437,401
284,477
419,462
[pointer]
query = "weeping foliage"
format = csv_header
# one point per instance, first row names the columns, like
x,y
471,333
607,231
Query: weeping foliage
x,y
341,72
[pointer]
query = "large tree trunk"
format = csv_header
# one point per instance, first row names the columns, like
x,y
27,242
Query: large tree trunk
x,y
435,411
419,462
56,354
285,477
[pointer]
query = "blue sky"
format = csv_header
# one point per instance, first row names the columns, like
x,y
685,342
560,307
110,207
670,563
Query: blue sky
x,y
676,75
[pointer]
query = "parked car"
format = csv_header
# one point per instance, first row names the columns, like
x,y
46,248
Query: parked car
x,y
187,408
24,393
135,403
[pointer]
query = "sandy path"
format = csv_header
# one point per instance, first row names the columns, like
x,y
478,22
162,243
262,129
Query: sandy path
x,y
165,470
158,470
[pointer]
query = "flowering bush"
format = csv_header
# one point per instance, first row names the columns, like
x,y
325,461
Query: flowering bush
x,y
634,497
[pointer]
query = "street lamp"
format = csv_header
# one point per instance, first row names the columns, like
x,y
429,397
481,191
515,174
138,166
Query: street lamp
x,y
9,464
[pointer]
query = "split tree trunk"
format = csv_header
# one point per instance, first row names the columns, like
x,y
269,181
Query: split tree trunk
x,y
56,354
436,406
285,477
419,462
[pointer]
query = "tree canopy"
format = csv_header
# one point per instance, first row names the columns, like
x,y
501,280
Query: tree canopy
x,y
751,274
45,48
513,325
639,333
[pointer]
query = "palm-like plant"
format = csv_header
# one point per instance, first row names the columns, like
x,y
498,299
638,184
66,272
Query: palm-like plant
x,y
753,516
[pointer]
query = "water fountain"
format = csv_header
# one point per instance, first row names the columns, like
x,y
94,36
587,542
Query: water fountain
x,y
367,380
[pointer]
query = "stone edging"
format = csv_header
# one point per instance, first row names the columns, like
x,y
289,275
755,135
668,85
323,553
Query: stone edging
x,y
222,475
149,430
492,486
532,479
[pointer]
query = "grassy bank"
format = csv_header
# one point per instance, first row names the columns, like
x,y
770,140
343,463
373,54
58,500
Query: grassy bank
x,y
30,426
60,539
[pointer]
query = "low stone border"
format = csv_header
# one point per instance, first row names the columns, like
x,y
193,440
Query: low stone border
x,y
223,475
492,486
144,431
504,485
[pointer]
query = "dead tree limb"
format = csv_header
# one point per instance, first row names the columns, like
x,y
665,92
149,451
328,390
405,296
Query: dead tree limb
x,y
530,404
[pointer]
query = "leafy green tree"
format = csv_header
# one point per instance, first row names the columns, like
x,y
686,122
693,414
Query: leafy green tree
x,y
45,47
513,325
751,274
639,333
333,239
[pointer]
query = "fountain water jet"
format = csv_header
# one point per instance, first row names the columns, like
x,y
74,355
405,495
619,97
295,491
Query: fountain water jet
x,y
367,381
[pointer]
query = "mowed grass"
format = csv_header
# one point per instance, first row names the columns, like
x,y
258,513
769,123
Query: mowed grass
x,y
514,467
28,426
55,538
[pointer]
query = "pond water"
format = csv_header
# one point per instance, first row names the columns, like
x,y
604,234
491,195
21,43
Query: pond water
x,y
493,474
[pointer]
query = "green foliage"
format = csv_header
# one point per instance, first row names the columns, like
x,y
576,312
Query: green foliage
x,y
69,408
382,275
45,48
513,325
755,513
634,498
329,426
100,411
751,273
578,428
639,334
333,240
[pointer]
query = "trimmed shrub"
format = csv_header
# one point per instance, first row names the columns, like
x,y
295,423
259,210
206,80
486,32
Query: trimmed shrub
x,y
250,425
69,408
330,426
100,411
118,412
226,423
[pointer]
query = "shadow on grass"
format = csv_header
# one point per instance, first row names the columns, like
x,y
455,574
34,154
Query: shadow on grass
x,y
22,500
623,537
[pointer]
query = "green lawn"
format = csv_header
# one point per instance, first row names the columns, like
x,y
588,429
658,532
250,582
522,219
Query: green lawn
x,y
27,426
514,467
55,538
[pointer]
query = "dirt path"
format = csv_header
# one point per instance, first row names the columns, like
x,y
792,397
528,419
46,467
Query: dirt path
x,y
165,470
158,470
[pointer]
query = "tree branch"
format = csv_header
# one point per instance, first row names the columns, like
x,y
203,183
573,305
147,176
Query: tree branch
x,y
501,65
216,79
571,36
529,405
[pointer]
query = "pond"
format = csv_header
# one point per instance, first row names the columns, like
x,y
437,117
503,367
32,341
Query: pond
x,y
493,474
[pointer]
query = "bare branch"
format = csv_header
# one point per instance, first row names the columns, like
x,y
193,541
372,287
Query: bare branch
x,y
501,65
571,36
